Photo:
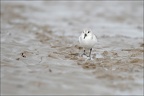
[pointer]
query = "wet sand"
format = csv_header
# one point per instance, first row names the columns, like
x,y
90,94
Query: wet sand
x,y
40,52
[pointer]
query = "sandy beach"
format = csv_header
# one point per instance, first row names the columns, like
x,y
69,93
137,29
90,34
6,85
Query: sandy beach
x,y
40,52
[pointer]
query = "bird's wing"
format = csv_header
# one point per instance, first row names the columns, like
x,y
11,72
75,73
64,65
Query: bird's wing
x,y
95,37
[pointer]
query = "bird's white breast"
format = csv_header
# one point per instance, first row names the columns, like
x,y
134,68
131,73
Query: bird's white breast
x,y
87,42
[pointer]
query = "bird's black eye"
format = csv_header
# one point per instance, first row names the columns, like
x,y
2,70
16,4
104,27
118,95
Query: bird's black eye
x,y
88,31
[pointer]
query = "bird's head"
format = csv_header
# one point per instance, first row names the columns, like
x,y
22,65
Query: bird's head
x,y
87,33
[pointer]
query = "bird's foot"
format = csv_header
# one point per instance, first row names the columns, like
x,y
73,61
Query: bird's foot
x,y
83,54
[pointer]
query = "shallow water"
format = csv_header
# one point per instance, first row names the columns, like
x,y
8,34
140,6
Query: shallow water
x,y
40,53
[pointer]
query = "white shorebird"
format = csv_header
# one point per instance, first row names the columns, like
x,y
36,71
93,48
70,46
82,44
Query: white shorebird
x,y
87,40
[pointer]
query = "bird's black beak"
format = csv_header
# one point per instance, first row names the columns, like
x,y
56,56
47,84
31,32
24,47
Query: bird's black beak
x,y
85,35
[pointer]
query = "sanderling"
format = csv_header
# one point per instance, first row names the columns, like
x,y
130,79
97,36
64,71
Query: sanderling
x,y
87,40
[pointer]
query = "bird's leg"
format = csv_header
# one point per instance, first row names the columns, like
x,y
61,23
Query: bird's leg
x,y
83,53
90,52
